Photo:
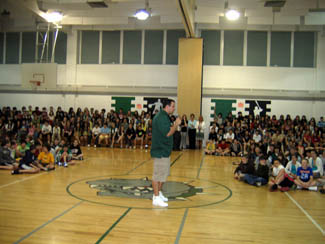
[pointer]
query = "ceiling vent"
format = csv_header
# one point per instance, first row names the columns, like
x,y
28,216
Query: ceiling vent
x,y
97,4
274,4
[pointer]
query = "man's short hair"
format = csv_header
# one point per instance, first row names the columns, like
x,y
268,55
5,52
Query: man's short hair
x,y
167,101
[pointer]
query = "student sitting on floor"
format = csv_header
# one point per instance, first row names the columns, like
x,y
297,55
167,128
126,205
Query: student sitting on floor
x,y
46,159
236,148
76,151
223,149
139,136
279,179
6,161
95,134
245,167
28,163
105,134
65,157
316,164
292,167
210,148
260,176
130,136
114,134
305,177
21,149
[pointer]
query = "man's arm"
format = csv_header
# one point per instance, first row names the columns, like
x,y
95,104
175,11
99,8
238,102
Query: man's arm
x,y
174,127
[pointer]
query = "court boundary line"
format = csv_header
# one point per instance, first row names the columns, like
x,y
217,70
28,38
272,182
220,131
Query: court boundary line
x,y
178,157
21,180
130,171
180,230
113,226
48,222
306,213
201,164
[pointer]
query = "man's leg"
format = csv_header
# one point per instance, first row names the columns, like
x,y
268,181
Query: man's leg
x,y
160,174
155,186
160,185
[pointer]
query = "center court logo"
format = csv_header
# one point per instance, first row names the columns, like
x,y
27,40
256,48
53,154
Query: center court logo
x,y
142,188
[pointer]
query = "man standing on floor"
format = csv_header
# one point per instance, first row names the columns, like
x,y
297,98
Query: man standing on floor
x,y
161,148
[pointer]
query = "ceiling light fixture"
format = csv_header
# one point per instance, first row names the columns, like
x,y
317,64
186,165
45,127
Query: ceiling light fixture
x,y
53,17
232,14
143,14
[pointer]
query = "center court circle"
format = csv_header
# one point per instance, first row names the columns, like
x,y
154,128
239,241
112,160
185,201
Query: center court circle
x,y
207,192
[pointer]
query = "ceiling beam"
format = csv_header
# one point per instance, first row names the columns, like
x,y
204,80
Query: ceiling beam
x,y
31,5
187,11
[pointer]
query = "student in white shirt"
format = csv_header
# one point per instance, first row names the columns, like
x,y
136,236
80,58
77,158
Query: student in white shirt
x,y
46,131
292,167
279,180
95,134
316,164
230,136
257,137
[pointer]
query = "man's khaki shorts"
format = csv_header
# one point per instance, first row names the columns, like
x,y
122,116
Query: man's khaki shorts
x,y
161,168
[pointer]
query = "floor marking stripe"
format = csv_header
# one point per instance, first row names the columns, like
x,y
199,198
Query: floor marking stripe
x,y
48,222
21,180
305,212
113,226
138,166
201,164
171,165
178,237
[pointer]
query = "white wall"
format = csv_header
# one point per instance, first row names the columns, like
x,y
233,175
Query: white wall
x,y
259,78
126,75
10,74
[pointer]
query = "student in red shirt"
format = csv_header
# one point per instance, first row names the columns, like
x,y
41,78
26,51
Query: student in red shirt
x,y
223,148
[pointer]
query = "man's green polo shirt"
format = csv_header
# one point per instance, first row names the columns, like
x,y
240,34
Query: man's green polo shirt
x,y
161,146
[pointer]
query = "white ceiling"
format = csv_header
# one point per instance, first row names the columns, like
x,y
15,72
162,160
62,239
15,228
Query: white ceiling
x,y
166,14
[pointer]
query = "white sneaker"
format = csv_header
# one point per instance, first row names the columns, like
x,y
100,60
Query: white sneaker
x,y
299,187
65,164
59,163
165,199
157,201
312,188
94,145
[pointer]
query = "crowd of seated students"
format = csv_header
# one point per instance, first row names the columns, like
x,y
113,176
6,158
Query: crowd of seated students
x,y
34,140
262,140
284,152
61,133
89,126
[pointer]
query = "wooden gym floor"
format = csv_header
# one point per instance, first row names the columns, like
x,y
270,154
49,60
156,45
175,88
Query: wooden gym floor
x,y
59,207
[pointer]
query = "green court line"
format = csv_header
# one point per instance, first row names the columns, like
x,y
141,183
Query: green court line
x,y
138,166
199,170
113,226
181,227
48,222
121,206
180,155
